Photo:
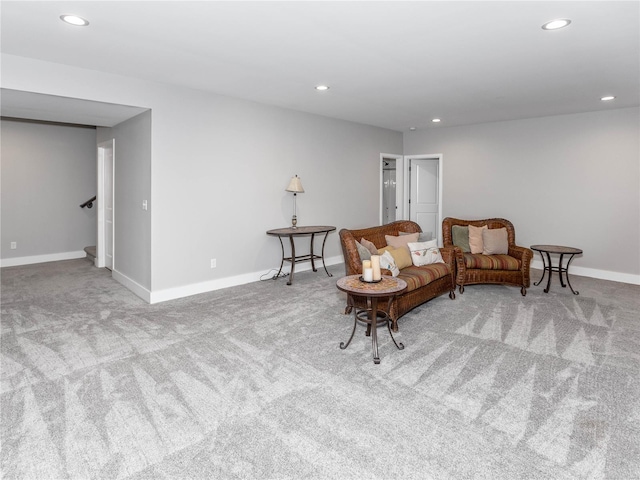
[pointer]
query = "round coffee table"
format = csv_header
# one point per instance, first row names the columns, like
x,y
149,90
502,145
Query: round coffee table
x,y
548,268
388,287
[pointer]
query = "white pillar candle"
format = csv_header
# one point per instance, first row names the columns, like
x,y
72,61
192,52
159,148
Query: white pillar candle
x,y
375,266
367,275
366,264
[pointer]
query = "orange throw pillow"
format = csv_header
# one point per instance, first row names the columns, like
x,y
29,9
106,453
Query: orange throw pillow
x,y
475,238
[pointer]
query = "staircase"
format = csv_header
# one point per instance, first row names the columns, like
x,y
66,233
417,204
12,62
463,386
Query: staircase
x,y
91,252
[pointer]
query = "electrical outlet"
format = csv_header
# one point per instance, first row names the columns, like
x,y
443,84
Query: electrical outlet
x,y
213,263
14,245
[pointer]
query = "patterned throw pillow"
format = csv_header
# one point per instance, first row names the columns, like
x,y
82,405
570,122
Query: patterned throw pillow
x,y
425,253
387,261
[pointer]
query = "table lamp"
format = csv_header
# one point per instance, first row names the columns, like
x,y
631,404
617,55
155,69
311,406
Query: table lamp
x,y
295,186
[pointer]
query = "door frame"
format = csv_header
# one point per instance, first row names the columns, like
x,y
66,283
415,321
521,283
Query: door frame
x,y
399,185
407,187
102,177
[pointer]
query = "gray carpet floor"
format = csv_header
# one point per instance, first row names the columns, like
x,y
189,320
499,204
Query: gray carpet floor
x,y
248,382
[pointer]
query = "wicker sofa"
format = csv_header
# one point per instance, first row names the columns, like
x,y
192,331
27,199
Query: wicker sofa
x,y
423,283
510,269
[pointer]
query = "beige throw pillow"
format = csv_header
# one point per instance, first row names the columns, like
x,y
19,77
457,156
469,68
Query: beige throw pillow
x,y
369,246
475,238
495,241
400,255
401,241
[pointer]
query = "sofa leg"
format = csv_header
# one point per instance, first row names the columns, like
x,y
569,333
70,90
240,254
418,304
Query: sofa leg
x,y
348,309
461,288
452,294
523,291
394,325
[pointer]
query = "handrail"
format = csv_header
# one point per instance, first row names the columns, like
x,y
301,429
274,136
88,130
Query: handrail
x,y
88,203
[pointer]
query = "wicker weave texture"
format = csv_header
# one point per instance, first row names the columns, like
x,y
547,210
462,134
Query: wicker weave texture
x,y
519,278
408,300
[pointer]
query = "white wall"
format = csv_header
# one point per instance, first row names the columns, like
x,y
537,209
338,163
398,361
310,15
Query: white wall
x,y
47,172
132,184
569,180
219,169
220,183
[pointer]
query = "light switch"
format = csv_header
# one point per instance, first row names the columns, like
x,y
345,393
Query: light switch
x,y
144,205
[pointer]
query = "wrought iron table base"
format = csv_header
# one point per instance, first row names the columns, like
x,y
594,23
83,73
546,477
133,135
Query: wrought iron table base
x,y
292,232
548,268
370,316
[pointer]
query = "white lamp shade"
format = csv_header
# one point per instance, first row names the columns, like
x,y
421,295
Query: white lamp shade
x,y
295,185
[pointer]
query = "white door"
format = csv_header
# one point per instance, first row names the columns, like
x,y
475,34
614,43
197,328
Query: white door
x,y
104,240
425,195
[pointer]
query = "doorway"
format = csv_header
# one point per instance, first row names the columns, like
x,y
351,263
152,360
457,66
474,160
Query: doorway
x,y
389,206
391,188
424,196
104,195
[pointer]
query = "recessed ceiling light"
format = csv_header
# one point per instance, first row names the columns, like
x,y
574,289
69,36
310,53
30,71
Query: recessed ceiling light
x,y
412,128
74,20
607,98
556,24
436,120
322,88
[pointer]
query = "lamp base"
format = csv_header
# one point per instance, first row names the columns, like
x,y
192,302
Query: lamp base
x,y
294,222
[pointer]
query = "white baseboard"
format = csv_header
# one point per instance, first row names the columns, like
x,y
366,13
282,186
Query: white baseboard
x,y
51,257
595,273
203,287
132,285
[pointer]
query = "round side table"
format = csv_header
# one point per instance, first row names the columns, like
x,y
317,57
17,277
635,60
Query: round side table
x,y
388,287
549,268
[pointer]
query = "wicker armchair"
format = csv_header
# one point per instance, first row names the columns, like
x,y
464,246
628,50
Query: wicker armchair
x,y
467,273
416,294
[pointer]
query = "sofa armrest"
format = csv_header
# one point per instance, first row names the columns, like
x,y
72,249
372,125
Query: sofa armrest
x,y
352,263
449,257
521,253
525,255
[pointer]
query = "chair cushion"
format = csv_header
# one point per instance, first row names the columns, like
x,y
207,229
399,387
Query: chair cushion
x,y
417,277
491,262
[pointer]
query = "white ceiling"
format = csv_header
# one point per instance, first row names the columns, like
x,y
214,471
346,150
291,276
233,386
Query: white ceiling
x,y
390,64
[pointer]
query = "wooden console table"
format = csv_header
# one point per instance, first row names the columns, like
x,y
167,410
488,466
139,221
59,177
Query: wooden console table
x,y
299,232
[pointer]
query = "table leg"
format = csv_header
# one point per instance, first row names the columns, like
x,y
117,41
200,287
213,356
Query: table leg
x,y
544,270
323,264
368,309
548,267
281,261
560,271
374,327
355,324
399,346
293,260
567,275
313,265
